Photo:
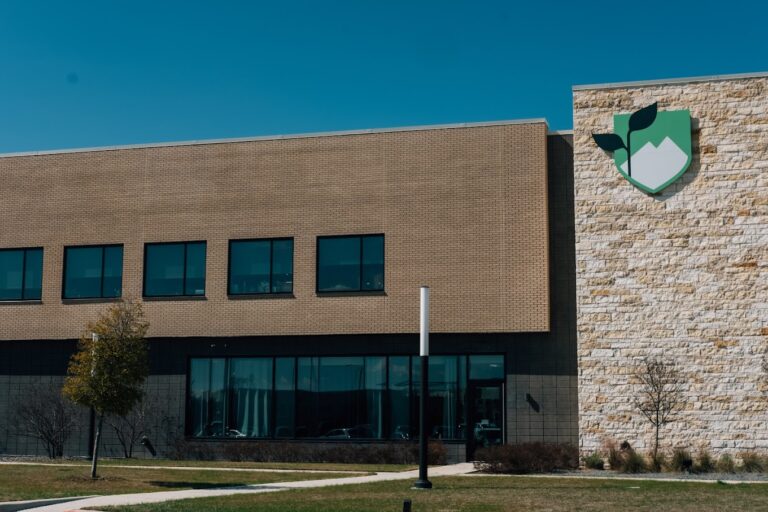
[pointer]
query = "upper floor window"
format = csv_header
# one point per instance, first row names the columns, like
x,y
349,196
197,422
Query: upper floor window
x,y
260,266
174,269
93,272
21,274
350,263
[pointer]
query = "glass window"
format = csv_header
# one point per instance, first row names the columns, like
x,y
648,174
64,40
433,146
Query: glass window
x,y
335,398
400,397
375,389
446,410
350,263
306,396
21,274
112,284
285,396
373,263
282,266
486,367
341,398
93,272
250,392
207,397
260,266
174,269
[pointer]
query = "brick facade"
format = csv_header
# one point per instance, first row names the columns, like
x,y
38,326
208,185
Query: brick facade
x,y
463,209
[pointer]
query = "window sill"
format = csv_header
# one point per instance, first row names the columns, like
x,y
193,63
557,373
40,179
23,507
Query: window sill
x,y
362,293
174,298
260,296
20,302
94,300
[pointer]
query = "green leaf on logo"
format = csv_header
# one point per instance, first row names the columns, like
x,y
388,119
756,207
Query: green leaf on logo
x,y
643,118
608,141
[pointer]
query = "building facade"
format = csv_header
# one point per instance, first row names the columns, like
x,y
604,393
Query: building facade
x,y
681,275
280,279
281,276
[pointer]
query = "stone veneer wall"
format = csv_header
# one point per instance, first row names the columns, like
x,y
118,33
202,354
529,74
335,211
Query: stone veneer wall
x,y
682,275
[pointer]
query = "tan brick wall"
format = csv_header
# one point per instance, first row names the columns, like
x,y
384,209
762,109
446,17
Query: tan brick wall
x,y
464,210
681,275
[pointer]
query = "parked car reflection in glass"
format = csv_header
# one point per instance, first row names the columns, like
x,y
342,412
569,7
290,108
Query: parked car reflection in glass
x,y
487,433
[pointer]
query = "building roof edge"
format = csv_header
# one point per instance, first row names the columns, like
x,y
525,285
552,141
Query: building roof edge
x,y
664,81
278,137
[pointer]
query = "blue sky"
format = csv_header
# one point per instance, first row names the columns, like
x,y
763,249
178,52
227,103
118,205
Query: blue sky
x,y
85,73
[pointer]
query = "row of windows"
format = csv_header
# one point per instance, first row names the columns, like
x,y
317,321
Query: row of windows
x,y
177,269
357,397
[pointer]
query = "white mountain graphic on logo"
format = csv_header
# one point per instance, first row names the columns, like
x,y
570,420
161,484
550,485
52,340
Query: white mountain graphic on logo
x,y
653,166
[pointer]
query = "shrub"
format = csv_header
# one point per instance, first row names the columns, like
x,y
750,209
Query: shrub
x,y
681,461
657,462
625,458
704,462
534,457
270,451
193,450
614,456
725,464
633,462
594,461
752,462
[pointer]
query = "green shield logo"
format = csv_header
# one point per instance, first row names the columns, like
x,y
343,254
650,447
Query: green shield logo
x,y
651,149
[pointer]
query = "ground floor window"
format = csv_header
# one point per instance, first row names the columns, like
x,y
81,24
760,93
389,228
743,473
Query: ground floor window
x,y
334,398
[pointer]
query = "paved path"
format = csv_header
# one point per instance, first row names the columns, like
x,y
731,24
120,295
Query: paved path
x,y
189,468
157,497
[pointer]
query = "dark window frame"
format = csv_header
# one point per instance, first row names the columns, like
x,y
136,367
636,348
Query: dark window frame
x,y
360,289
24,272
271,265
184,285
101,277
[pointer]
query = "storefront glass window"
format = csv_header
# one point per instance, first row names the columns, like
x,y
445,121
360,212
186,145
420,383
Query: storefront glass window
x,y
207,397
285,396
250,397
332,398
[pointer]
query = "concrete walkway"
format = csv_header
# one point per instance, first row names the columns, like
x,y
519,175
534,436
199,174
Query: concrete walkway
x,y
158,497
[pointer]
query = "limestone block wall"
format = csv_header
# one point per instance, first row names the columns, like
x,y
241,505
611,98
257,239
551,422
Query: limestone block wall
x,y
682,275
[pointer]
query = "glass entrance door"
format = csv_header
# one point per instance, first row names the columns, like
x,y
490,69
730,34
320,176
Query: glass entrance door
x,y
485,415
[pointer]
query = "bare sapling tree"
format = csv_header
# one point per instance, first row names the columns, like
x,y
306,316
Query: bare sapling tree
x,y
110,366
661,395
47,416
131,427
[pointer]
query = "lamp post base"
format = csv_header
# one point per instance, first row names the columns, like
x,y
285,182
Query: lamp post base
x,y
422,484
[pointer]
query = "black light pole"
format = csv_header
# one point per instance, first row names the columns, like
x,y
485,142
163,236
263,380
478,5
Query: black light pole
x,y
423,482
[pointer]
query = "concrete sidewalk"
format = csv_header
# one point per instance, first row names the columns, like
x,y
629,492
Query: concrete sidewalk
x,y
158,497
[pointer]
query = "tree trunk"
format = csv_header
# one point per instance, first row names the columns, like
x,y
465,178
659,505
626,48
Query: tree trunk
x,y
96,446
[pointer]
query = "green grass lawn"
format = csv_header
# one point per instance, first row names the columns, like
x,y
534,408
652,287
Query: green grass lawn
x,y
490,494
21,482
370,468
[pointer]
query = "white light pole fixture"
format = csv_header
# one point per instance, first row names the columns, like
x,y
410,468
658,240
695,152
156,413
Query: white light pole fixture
x,y
423,481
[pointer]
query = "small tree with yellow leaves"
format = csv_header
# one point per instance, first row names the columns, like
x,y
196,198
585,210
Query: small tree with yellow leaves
x,y
110,366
